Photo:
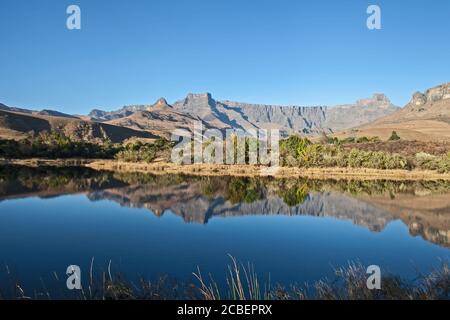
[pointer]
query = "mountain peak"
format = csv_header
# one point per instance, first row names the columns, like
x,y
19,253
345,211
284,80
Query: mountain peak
x,y
196,101
377,100
161,103
381,97
205,95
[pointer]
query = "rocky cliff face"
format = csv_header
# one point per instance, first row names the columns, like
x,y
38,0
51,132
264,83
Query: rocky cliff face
x,y
291,119
362,112
205,108
438,93
298,119
433,104
433,95
425,118
316,119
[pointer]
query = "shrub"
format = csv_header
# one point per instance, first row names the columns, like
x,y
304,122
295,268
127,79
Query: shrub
x,y
348,140
394,136
431,162
294,145
376,160
296,151
144,152
56,145
312,155
362,140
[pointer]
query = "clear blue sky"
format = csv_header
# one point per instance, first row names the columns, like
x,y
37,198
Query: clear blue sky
x,y
281,52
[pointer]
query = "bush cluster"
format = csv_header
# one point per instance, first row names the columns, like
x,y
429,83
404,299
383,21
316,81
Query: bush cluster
x,y
348,140
431,162
55,145
145,152
296,151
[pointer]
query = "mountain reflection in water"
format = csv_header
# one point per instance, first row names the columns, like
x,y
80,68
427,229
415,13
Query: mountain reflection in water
x,y
424,206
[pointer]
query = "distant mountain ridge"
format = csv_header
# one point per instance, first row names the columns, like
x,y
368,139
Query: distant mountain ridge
x,y
227,114
159,119
100,115
44,112
425,118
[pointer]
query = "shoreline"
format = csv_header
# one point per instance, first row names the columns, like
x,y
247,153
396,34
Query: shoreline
x,y
161,168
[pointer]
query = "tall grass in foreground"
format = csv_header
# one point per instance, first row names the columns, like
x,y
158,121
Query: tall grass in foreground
x,y
243,283
99,285
349,284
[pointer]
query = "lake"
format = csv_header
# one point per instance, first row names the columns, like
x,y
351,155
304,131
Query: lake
x,y
291,230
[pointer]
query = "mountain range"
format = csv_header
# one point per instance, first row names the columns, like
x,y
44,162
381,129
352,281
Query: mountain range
x,y
425,117
236,115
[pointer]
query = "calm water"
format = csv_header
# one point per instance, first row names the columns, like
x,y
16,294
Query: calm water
x,y
294,230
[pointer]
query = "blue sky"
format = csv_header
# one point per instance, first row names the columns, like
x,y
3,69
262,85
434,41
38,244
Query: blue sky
x,y
279,52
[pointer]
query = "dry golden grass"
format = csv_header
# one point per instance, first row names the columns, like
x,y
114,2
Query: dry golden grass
x,y
161,167
420,130
254,170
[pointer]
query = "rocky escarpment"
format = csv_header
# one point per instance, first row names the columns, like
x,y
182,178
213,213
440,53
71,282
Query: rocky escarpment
x,y
205,108
425,118
309,120
434,103
363,111
316,119
299,119
292,119
435,94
